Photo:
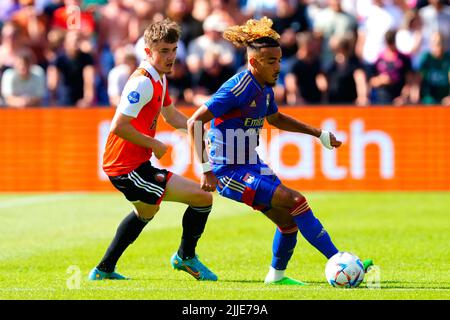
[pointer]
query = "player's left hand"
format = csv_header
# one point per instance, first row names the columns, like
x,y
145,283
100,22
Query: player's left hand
x,y
334,142
208,181
328,140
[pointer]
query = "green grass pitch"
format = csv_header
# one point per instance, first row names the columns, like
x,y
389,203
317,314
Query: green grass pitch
x,y
49,242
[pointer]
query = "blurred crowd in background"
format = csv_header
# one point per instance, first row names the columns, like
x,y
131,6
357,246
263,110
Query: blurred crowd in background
x,y
80,53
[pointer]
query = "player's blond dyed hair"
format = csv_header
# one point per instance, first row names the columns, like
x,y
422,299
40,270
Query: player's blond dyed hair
x,y
246,35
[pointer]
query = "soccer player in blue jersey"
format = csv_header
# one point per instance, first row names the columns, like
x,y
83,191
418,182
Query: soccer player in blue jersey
x,y
238,110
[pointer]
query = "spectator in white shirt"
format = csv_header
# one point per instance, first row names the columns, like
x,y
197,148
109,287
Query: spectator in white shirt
x,y
25,84
380,19
409,39
126,63
436,18
211,41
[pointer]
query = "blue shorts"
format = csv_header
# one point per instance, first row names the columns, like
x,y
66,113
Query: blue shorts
x,y
252,184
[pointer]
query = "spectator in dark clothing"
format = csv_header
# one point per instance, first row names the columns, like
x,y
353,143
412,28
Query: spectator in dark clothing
x,y
305,78
180,83
392,78
180,12
211,77
71,76
435,72
346,79
291,19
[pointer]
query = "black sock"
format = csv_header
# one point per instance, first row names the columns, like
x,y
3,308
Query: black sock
x,y
194,221
128,230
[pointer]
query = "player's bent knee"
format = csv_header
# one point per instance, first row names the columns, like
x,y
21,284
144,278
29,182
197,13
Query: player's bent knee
x,y
298,199
201,199
146,213
300,205
289,199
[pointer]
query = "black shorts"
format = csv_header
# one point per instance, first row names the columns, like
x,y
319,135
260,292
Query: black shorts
x,y
145,183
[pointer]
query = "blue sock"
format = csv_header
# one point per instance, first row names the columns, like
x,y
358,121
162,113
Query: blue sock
x,y
313,231
282,249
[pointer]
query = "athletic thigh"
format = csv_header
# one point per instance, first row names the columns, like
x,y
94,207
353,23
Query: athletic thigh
x,y
285,198
181,189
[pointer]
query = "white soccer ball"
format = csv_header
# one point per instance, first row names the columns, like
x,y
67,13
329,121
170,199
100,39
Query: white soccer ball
x,y
344,270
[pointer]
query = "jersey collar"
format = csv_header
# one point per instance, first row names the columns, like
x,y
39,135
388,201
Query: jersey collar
x,y
147,66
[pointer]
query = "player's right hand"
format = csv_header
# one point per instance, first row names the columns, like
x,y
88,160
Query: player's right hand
x,y
160,149
208,181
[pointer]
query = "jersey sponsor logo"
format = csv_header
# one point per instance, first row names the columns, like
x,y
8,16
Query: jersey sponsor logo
x,y
134,97
251,122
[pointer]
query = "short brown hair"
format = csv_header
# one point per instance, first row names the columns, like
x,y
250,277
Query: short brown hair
x,y
165,30
26,55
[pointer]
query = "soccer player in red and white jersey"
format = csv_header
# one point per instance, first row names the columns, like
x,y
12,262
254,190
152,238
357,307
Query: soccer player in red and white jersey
x,y
129,148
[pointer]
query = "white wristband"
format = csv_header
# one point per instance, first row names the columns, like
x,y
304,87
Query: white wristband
x,y
325,139
206,167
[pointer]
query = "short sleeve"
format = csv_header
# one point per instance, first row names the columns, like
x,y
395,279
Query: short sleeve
x,y
87,60
7,83
137,93
222,102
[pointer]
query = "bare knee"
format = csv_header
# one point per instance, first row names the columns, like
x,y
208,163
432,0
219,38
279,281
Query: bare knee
x,y
145,212
289,199
201,199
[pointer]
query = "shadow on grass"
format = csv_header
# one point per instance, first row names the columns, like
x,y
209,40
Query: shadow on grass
x,y
407,285
384,285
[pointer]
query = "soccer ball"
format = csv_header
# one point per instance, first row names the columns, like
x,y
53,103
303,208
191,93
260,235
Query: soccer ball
x,y
344,270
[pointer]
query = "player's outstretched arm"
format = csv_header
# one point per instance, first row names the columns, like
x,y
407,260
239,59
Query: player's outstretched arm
x,y
287,123
195,124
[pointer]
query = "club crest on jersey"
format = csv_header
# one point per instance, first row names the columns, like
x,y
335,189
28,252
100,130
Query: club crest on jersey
x,y
248,178
160,177
134,97
268,100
